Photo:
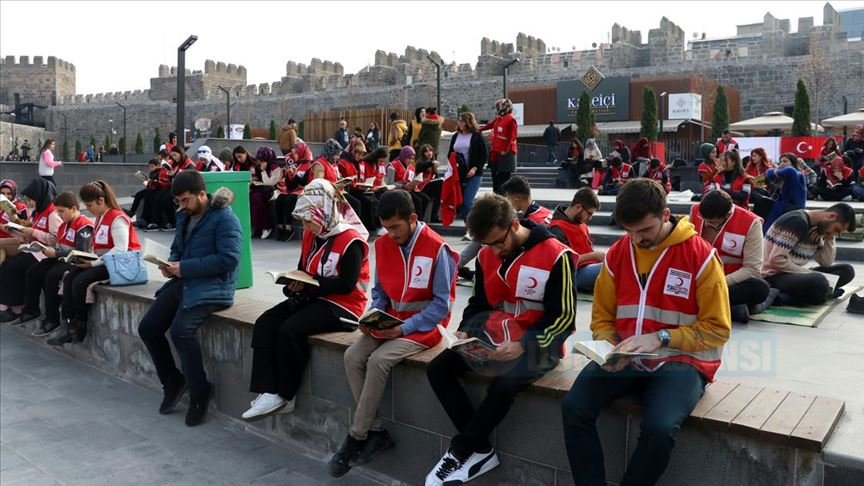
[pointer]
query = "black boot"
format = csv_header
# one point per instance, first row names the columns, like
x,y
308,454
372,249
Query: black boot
x,y
198,407
79,329
66,335
172,393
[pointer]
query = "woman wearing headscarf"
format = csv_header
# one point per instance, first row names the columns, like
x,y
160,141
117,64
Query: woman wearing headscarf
x,y
598,164
835,180
295,174
326,166
43,225
9,189
624,152
265,175
502,155
402,173
207,162
335,254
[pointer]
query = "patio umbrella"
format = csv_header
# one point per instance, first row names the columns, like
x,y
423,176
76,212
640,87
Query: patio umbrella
x,y
773,120
847,120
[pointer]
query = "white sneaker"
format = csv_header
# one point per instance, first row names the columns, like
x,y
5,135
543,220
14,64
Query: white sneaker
x,y
467,237
477,465
264,405
442,471
288,408
265,233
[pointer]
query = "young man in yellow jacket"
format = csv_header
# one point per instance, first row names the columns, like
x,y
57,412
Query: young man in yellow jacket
x,y
661,290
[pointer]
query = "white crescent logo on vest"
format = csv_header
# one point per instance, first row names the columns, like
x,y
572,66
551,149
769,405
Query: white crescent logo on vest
x,y
678,283
531,283
421,273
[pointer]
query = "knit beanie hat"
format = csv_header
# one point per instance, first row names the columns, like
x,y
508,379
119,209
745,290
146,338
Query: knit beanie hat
x,y
705,149
331,149
405,153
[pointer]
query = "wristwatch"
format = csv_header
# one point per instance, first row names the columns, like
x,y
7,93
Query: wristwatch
x,y
664,337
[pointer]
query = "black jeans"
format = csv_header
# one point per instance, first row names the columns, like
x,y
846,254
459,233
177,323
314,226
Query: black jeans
x,y
750,292
284,205
811,288
166,314
498,179
281,346
475,425
46,277
75,285
433,190
12,278
668,396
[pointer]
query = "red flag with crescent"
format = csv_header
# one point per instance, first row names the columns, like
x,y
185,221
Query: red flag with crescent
x,y
804,147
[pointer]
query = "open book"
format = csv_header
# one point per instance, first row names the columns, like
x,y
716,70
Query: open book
x,y
77,256
369,184
144,177
7,206
472,349
344,181
32,247
601,352
14,226
375,319
155,253
284,278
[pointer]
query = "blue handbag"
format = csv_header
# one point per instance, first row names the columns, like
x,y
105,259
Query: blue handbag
x,y
126,268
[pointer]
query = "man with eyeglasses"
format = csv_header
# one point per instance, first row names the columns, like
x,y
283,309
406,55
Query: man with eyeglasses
x,y
736,235
570,226
524,305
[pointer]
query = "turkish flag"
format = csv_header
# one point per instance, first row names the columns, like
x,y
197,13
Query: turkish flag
x,y
803,147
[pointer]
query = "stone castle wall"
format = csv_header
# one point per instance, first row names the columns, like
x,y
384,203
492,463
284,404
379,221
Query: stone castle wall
x,y
35,81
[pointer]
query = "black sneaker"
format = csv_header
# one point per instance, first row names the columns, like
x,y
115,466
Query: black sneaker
x,y
198,408
856,304
376,442
171,395
45,328
465,273
25,318
740,314
8,316
151,227
342,461
69,334
167,227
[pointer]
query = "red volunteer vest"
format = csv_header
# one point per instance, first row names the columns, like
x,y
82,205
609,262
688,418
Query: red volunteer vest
x,y
102,239
40,220
330,172
622,174
736,185
410,286
729,241
517,298
706,172
66,233
354,301
657,175
578,237
4,218
541,216
669,298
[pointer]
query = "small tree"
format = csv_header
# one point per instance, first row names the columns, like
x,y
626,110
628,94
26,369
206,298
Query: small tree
x,y
93,142
584,118
220,132
247,132
463,109
65,151
801,111
107,143
157,141
272,130
121,145
78,148
649,114
139,144
720,117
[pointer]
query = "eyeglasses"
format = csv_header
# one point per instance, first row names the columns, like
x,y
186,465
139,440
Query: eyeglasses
x,y
499,243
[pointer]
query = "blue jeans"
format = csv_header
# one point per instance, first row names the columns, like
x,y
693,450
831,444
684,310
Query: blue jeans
x,y
668,396
469,191
552,153
165,314
587,275
858,191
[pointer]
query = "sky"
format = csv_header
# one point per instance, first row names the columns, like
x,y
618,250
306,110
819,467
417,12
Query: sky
x,y
118,45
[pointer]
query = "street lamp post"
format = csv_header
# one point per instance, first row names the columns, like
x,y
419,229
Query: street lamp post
x,y
845,111
660,113
506,68
65,129
181,86
227,112
12,138
125,140
438,81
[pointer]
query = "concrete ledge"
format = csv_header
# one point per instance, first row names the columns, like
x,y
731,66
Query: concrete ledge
x,y
529,441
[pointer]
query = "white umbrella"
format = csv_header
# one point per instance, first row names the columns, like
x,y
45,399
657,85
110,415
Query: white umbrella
x,y
847,120
774,120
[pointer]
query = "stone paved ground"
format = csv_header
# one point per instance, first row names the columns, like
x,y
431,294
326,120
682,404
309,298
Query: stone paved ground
x,y
64,422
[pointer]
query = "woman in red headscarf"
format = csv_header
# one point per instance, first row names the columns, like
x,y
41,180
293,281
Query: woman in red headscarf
x,y
835,180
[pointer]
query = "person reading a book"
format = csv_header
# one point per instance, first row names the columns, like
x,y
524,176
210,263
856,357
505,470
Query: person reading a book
x,y
335,254
793,240
524,303
112,233
42,227
402,174
156,186
75,233
736,235
419,291
202,273
570,225
17,209
661,290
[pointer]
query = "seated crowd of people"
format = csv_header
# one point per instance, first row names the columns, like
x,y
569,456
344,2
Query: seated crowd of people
x,y
671,285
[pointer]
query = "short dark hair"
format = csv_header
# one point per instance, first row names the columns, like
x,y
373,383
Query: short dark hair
x,y
187,181
845,214
725,132
489,211
394,116
639,198
517,186
586,198
715,204
614,161
154,162
395,203
66,199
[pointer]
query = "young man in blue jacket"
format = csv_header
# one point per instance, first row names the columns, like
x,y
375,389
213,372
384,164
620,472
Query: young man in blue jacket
x,y
203,274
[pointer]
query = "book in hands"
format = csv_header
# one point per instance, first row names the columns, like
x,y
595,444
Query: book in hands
x,y
32,247
284,278
77,256
374,319
472,349
345,181
7,206
156,260
144,177
14,227
369,185
601,352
